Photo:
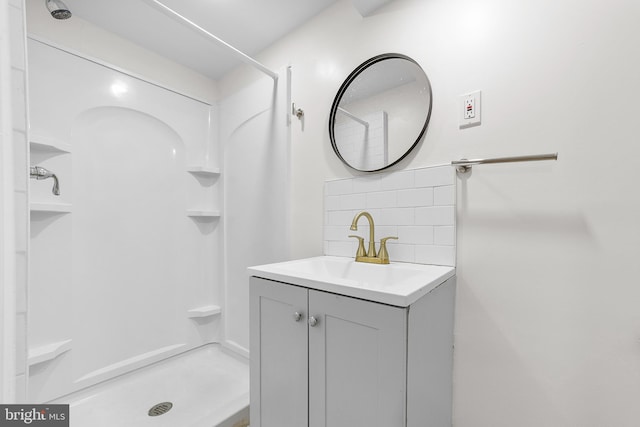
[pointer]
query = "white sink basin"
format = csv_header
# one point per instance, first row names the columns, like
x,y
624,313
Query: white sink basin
x,y
398,284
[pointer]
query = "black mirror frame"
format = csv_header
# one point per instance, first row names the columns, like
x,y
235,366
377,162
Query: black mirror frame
x,y
343,88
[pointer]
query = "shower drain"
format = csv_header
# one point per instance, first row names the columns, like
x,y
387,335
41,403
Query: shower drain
x,y
160,409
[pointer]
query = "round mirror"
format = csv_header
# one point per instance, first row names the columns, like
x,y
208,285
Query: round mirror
x,y
380,112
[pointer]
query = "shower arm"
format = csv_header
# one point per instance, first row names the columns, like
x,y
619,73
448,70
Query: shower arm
x,y
40,173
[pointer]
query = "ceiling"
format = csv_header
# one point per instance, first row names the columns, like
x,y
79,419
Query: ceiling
x,y
247,25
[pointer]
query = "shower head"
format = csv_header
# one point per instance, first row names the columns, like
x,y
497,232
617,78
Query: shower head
x,y
58,9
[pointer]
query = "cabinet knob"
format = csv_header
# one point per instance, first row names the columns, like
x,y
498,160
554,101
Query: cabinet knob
x,y
313,321
297,316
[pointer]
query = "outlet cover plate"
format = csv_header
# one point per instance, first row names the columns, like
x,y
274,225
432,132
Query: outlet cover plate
x,y
469,109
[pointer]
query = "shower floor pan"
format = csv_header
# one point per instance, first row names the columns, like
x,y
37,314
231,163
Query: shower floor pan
x,y
206,387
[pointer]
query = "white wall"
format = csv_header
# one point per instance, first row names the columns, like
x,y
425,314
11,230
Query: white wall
x,y
547,325
255,137
81,36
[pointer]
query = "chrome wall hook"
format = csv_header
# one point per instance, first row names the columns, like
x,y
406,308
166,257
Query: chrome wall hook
x,y
298,112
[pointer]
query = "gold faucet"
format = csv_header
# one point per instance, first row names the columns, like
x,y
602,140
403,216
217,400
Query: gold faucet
x,y
370,255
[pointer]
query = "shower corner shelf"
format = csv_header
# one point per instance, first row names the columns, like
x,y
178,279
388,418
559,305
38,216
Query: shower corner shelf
x,y
205,311
50,207
204,170
45,143
48,352
203,213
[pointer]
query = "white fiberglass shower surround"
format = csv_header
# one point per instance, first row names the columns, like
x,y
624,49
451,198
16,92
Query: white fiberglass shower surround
x,y
126,253
127,263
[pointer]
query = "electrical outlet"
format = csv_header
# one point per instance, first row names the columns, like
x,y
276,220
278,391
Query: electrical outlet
x,y
469,113
469,107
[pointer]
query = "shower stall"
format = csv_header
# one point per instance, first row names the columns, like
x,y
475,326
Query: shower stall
x,y
129,252
124,258
130,273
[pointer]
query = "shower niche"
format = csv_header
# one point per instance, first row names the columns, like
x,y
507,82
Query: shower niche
x,y
125,264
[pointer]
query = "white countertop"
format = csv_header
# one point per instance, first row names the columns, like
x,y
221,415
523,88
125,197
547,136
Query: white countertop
x,y
399,284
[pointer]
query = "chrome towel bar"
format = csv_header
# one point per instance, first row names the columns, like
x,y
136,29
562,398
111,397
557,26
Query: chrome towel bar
x,y
464,165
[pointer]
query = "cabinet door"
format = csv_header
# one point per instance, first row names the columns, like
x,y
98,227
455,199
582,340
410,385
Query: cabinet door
x,y
357,363
279,358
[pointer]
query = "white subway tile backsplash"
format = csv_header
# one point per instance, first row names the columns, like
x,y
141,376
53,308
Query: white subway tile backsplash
x,y
444,196
434,177
347,249
331,203
342,232
444,235
336,217
433,254
417,206
401,252
436,215
416,234
381,199
335,232
363,229
367,184
386,231
353,201
415,197
338,187
397,216
397,180
340,217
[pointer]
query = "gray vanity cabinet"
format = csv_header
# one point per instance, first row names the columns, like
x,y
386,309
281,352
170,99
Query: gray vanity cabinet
x,y
324,360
